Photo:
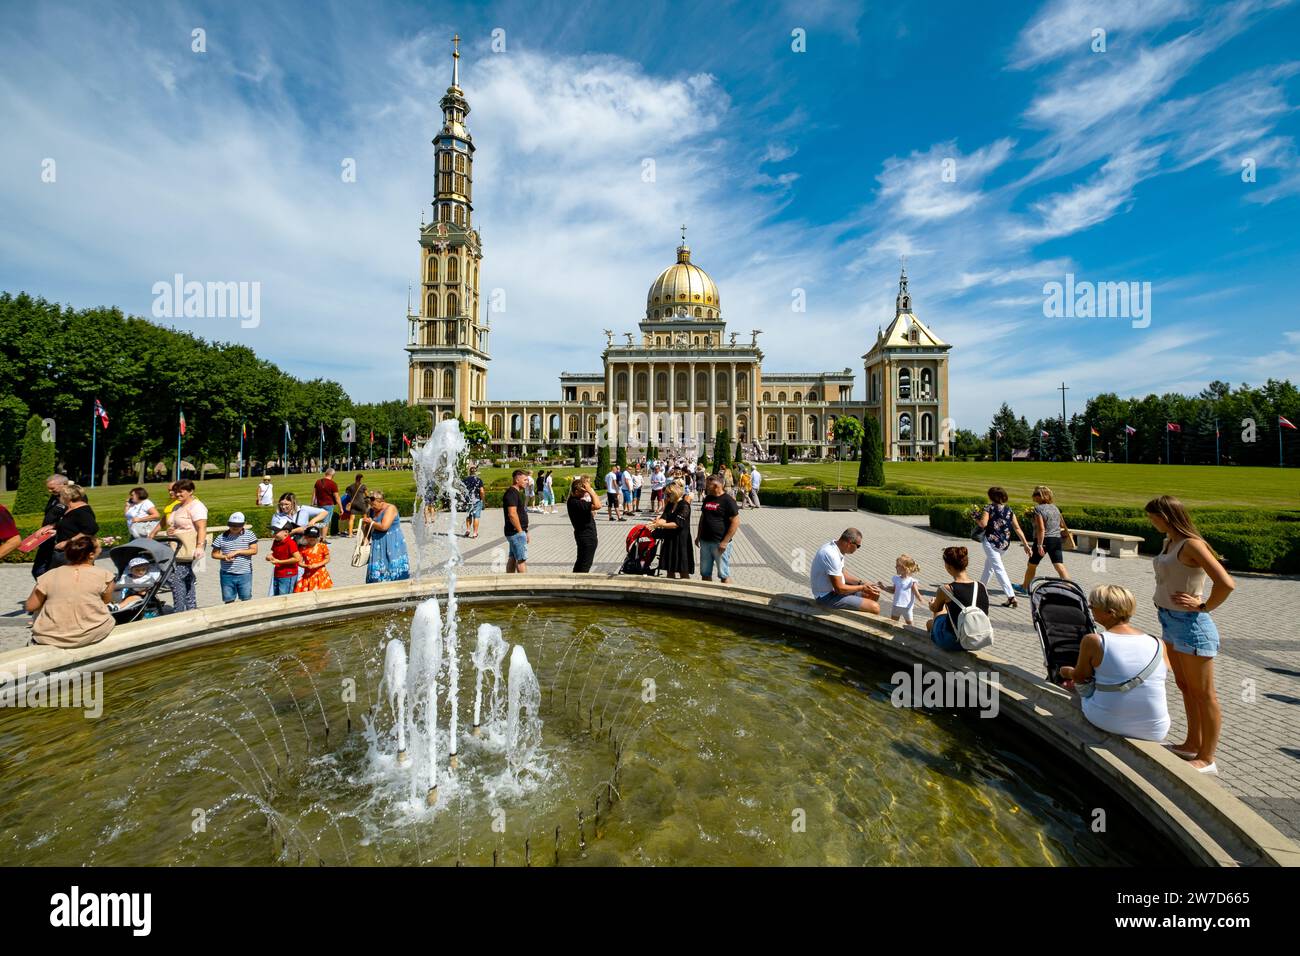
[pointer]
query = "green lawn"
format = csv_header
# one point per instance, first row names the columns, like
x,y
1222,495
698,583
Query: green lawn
x,y
1083,482
1073,483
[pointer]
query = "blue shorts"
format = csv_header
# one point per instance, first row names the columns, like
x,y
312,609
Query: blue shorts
x,y
1189,632
710,555
942,634
519,546
475,509
627,496
852,601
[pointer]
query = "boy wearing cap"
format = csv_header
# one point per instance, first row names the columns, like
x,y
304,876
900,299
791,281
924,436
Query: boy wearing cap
x,y
134,583
285,558
234,548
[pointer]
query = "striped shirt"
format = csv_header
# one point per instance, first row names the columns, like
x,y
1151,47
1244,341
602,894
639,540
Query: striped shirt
x,y
226,543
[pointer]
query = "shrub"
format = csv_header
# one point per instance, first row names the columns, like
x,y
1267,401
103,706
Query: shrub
x,y
36,465
871,468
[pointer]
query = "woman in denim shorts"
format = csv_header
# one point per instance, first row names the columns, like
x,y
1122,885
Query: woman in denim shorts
x,y
1182,567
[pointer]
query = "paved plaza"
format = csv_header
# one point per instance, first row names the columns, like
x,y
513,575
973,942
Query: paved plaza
x,y
1258,670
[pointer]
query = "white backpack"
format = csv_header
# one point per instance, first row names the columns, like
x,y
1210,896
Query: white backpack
x,y
974,629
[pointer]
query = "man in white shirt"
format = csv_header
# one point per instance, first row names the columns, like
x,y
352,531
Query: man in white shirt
x,y
755,479
613,492
831,586
658,481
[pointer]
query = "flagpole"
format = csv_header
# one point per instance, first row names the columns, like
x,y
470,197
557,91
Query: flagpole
x,y
322,447
179,433
241,448
1216,441
1280,462
285,463
995,447
1091,456
94,434
1126,444
388,455
1167,461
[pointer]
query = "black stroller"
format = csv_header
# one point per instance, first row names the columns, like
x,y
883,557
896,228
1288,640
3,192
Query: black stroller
x,y
163,557
1062,618
642,552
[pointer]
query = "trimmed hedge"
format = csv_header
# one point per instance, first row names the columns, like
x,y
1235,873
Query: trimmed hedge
x,y
1257,539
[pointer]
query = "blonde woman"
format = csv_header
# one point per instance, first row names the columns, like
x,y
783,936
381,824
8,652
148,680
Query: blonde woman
x,y
1181,568
673,529
1047,537
1120,674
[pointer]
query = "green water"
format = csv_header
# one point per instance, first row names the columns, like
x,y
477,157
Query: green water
x,y
734,743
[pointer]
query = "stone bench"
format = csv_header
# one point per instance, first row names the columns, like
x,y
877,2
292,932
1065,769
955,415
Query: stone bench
x,y
1114,545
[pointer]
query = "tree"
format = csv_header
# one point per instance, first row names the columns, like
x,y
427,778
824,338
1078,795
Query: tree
x,y
602,462
848,431
966,444
477,435
871,469
621,456
720,450
785,454
650,451
1015,432
740,453
37,466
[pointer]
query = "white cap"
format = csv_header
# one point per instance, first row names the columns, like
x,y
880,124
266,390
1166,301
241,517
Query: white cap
x,y
136,562
236,518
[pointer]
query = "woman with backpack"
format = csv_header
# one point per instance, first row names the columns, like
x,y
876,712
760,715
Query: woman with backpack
x,y
959,596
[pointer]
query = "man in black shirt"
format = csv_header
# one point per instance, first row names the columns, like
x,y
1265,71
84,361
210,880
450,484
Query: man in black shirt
x,y
54,509
719,523
514,505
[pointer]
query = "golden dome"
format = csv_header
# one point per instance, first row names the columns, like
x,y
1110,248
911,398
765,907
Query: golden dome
x,y
686,285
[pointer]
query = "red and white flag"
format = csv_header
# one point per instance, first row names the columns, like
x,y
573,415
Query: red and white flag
x,y
1173,427
103,415
1130,430
407,440
1044,435
1285,423
182,421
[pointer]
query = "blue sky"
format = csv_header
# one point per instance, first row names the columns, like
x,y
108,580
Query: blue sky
x,y
806,170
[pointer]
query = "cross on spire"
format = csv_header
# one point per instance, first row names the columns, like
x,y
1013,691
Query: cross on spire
x,y
455,60
683,233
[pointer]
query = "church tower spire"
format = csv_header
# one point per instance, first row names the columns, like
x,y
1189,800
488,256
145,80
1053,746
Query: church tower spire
x,y
903,303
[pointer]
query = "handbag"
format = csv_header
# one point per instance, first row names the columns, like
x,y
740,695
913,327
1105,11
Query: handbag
x,y
361,553
1067,537
1089,687
188,540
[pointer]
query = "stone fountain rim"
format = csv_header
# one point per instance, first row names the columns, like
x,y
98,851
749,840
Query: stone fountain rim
x,y
1192,810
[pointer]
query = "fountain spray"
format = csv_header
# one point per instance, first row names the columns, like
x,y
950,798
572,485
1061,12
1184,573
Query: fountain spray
x,y
426,663
395,681
488,655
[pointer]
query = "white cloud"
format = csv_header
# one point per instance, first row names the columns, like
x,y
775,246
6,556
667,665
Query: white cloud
x,y
1066,26
940,182
1092,202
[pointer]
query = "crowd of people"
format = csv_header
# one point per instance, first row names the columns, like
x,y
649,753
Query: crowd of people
x,y
694,517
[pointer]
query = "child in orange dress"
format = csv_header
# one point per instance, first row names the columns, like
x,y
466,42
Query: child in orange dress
x,y
315,555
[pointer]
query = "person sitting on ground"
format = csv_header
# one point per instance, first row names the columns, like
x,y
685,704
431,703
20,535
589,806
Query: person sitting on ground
x,y
1120,674
71,601
134,584
831,585
967,593
315,556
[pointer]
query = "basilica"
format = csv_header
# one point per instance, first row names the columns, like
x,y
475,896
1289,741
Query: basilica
x,y
675,382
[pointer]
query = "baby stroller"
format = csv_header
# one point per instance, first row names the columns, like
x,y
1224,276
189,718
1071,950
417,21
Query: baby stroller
x,y
163,557
642,552
1062,618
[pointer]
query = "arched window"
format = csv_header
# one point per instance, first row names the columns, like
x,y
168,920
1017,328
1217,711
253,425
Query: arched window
x,y
661,387
927,427
573,426
453,270
496,426
620,387
428,384
448,383
771,427
444,161
812,396
430,333
431,305
724,392
780,396
719,425
516,427
698,313
460,163
460,215
534,427
798,396
767,396
927,383
702,386
591,424
813,431
553,425
682,387
791,428
432,274
905,384
642,383
742,384
453,304
586,396
905,427
600,396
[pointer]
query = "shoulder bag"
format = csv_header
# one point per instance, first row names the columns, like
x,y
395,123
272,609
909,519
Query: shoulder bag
x,y
361,553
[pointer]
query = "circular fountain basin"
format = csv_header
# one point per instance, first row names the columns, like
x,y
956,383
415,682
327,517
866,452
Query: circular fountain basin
x,y
761,732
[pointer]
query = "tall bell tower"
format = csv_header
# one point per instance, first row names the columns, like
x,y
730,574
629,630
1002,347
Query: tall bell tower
x,y
447,346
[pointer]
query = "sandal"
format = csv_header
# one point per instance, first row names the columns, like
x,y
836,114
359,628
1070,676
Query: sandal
x,y
1185,754
1010,602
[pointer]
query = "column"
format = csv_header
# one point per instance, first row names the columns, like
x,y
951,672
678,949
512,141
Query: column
x,y
652,431
672,410
690,407
731,388
712,424
609,395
